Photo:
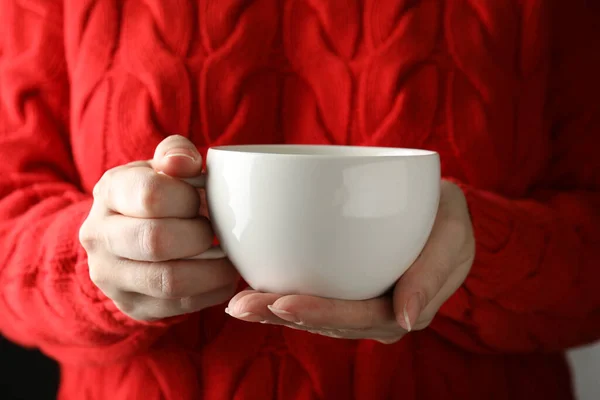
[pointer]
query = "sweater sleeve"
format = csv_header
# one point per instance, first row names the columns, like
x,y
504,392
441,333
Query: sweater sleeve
x,y
534,285
46,297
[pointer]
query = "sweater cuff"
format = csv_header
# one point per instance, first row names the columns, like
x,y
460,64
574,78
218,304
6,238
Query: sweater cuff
x,y
103,313
507,249
96,331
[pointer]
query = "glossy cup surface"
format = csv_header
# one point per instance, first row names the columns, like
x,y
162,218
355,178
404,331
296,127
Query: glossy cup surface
x,y
332,221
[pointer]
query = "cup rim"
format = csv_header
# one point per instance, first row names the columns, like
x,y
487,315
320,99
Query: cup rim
x,y
323,151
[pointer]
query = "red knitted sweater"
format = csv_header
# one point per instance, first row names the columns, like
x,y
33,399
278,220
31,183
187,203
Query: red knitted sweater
x,y
505,91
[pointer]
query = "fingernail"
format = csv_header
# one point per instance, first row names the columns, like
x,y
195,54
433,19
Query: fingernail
x,y
412,310
182,152
286,315
247,316
406,319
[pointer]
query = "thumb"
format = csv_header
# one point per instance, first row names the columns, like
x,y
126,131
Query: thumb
x,y
176,156
438,271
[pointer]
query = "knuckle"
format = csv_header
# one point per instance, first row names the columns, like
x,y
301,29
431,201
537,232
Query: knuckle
x,y
153,239
166,283
96,273
148,193
98,187
104,183
97,190
88,236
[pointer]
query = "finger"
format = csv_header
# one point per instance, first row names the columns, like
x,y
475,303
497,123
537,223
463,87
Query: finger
x,y
138,191
425,278
178,157
164,280
335,314
251,306
157,239
384,335
454,281
146,308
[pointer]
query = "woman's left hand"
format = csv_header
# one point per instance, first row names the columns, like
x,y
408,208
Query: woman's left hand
x,y
438,272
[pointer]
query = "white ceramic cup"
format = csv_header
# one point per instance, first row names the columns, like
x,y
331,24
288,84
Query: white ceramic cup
x,y
332,221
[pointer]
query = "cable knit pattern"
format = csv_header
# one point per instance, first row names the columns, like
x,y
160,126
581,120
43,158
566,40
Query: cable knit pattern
x,y
497,91
505,91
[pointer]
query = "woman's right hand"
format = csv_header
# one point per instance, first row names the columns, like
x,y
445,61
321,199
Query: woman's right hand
x,y
144,226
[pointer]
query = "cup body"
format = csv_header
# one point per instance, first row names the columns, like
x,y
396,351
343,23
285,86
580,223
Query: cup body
x,y
332,221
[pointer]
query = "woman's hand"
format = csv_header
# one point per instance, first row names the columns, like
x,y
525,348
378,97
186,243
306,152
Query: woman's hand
x,y
143,228
429,282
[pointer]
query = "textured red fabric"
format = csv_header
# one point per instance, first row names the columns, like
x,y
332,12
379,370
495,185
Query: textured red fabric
x,y
506,92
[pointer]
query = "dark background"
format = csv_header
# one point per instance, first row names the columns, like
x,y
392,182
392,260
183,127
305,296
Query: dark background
x,y
26,374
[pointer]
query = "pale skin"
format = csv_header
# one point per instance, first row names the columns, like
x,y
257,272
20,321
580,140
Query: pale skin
x,y
417,296
145,225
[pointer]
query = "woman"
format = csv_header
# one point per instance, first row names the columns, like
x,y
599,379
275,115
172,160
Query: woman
x,y
506,92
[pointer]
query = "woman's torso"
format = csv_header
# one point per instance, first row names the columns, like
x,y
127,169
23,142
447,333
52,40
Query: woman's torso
x,y
467,79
